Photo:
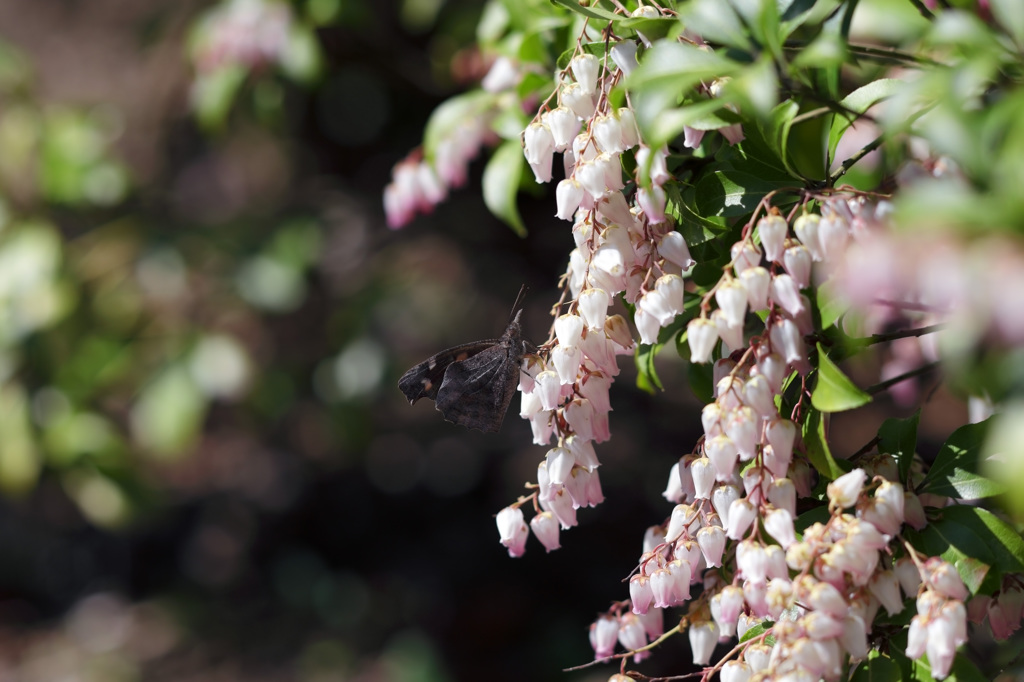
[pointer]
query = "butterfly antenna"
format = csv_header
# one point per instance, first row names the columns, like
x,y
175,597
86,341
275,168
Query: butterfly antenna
x,y
519,298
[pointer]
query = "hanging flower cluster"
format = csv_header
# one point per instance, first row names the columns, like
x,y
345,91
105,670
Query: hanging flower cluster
x,y
249,33
807,575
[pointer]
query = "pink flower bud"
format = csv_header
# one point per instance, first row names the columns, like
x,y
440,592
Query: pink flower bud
x,y
703,473
742,428
593,306
782,494
630,133
786,339
732,300
539,148
745,255
632,635
772,229
672,248
885,587
908,575
797,261
723,453
944,579
701,334
513,530
722,499
844,491
806,228
833,233
692,137
725,609
756,282
559,465
568,195
703,638
757,657
731,334
711,540
560,504
781,434
741,514
674,489
684,518
545,529
735,671
855,637
603,634
772,367
607,131
786,293
651,165
652,201
752,561
640,593
568,329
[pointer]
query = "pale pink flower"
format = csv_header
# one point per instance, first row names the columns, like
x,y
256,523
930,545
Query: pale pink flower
x,y
603,634
885,587
711,540
632,636
564,127
779,524
797,261
756,282
732,300
672,248
652,201
741,515
640,593
807,227
701,335
844,491
513,530
772,229
703,638
545,529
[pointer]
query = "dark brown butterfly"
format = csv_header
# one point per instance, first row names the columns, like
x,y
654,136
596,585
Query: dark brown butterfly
x,y
472,384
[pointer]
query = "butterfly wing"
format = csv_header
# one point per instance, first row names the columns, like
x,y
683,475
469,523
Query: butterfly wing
x,y
476,392
425,379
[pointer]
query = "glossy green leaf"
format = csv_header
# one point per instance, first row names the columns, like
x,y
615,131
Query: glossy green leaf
x,y
647,376
956,471
700,376
833,390
715,22
731,193
899,439
858,102
501,184
813,432
594,11
877,668
755,631
831,304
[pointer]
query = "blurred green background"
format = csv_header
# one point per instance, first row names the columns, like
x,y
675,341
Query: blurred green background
x,y
207,470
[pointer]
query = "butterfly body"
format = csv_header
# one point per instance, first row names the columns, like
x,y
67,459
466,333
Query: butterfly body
x,y
472,384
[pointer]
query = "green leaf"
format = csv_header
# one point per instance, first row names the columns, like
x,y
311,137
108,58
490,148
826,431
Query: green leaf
x,y
833,390
214,93
701,378
755,631
168,415
666,71
647,377
831,303
998,536
899,439
956,470
877,668
715,22
653,28
501,184
974,540
593,12
858,102
813,432
731,193
596,49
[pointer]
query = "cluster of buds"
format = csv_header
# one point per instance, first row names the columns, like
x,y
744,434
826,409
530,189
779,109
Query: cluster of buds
x,y
250,33
620,249
417,185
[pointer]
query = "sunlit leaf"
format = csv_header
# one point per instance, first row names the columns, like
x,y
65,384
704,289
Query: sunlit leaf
x,y
501,184
833,391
